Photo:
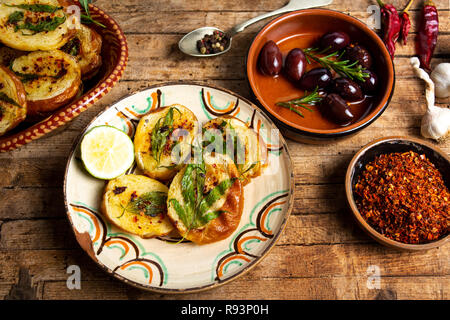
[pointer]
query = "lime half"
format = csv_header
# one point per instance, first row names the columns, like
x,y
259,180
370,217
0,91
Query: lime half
x,y
107,152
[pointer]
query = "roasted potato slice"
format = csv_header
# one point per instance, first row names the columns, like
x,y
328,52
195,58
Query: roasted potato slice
x,y
86,47
238,141
156,137
31,25
13,104
137,204
51,79
205,201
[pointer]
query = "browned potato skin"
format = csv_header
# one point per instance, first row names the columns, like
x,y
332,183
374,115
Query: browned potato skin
x,y
21,97
42,108
7,55
38,108
89,56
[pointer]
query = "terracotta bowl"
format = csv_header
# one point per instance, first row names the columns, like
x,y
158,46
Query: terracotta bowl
x,y
302,29
389,145
114,55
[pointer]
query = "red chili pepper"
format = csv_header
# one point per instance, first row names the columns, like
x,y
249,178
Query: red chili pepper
x,y
406,22
428,33
391,26
406,25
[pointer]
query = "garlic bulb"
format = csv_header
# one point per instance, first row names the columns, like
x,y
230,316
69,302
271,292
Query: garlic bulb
x,y
441,79
436,121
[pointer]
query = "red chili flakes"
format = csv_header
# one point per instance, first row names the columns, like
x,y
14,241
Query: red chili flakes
x,y
404,197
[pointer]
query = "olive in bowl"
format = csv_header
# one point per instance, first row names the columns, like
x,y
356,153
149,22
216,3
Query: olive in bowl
x,y
295,64
315,78
270,59
334,41
347,89
303,29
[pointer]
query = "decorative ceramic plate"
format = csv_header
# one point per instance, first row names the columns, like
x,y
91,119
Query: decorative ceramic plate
x,y
114,57
164,264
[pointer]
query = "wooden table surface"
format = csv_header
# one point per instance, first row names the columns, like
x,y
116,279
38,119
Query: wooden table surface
x,y
322,254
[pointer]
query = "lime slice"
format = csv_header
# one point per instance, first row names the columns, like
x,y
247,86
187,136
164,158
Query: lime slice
x,y
107,152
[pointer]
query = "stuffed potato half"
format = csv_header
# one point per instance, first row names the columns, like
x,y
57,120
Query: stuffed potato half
x,y
13,104
156,136
206,200
51,79
86,47
32,25
232,136
137,204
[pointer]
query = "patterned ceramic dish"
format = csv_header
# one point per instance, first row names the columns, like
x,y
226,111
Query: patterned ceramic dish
x,y
161,264
114,56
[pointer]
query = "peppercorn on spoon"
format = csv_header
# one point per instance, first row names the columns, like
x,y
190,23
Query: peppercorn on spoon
x,y
188,44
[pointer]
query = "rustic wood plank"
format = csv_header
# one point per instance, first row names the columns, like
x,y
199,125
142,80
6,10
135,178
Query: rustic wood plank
x,y
327,288
144,22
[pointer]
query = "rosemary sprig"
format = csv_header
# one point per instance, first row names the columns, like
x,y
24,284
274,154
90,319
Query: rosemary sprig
x,y
334,61
86,18
308,99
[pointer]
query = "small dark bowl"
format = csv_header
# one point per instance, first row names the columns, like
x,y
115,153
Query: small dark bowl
x,y
390,145
304,27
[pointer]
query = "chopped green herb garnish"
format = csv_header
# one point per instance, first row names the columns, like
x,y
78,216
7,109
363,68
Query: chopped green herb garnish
x,y
15,17
197,204
41,26
152,204
160,134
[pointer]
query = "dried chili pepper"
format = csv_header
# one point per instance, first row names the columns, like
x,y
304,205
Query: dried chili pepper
x,y
391,26
404,197
428,33
406,23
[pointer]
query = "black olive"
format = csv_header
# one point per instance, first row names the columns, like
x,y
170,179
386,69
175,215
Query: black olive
x,y
355,52
336,109
315,78
347,89
270,59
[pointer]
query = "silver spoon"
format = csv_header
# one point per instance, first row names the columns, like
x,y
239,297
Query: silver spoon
x,y
188,44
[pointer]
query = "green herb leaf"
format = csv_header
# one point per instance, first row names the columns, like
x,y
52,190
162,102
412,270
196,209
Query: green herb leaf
x,y
41,26
159,137
5,98
214,195
15,17
86,19
151,204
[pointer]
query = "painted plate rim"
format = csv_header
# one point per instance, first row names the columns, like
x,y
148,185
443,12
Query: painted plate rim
x,y
247,268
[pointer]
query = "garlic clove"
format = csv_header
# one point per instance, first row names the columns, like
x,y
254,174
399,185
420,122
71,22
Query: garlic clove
x,y
441,79
436,123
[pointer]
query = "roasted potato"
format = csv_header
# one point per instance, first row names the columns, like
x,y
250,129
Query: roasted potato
x,y
238,141
51,79
157,135
31,25
137,204
86,47
205,204
13,104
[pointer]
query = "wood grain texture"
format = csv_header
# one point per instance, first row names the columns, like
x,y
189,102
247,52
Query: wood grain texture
x,y
322,254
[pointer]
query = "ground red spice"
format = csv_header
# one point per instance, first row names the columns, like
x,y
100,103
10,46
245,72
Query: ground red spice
x,y
403,196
